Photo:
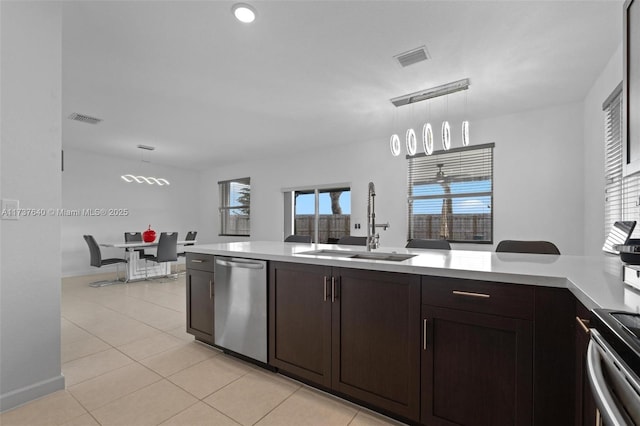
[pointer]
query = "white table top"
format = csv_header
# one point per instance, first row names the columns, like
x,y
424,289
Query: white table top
x,y
596,281
142,244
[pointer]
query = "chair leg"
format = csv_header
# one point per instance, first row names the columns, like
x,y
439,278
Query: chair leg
x,y
104,283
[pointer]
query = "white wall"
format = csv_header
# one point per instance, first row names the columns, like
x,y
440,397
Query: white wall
x,y
538,181
91,181
594,151
30,172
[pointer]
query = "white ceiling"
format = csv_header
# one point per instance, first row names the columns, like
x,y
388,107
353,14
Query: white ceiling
x,y
204,89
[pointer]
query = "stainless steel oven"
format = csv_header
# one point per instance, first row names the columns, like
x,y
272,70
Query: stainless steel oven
x,y
613,366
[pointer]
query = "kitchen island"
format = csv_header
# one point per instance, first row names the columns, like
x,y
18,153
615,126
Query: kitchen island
x,y
429,336
595,281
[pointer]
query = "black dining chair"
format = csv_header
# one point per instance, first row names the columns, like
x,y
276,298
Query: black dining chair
x,y
534,247
349,240
97,261
167,249
298,239
136,237
420,243
191,236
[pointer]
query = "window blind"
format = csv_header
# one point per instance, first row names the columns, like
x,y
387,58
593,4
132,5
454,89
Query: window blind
x,y
613,188
450,195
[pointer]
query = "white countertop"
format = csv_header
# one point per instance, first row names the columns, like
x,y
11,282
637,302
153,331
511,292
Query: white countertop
x,y
596,281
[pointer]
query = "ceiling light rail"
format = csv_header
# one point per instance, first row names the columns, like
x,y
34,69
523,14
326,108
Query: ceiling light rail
x,y
434,92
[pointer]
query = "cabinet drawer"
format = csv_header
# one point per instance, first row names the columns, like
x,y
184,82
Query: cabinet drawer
x,y
509,300
201,262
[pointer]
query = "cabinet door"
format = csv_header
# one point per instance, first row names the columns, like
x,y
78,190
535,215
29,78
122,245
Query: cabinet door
x,y
376,339
300,321
477,369
200,304
585,404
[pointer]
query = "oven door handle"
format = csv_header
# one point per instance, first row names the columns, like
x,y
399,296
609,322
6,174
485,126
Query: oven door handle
x,y
604,400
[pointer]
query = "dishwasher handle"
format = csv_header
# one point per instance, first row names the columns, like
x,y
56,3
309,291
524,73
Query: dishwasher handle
x,y
240,263
605,401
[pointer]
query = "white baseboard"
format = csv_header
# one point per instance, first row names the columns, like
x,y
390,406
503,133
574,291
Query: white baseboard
x,y
26,394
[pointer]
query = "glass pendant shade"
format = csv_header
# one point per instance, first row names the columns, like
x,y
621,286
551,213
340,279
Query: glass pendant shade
x,y
412,145
427,139
465,133
394,144
446,135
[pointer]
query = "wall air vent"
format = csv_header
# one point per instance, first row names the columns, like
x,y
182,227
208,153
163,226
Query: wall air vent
x,y
412,56
84,118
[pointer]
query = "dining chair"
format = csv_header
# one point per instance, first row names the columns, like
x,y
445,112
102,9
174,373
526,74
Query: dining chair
x,y
191,236
135,237
298,239
534,247
420,243
167,249
97,261
349,240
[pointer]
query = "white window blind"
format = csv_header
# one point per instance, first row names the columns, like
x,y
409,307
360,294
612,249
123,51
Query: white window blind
x,y
613,189
450,195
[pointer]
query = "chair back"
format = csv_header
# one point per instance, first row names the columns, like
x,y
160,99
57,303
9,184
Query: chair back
x,y
515,246
167,247
428,244
132,237
94,251
191,235
298,239
353,241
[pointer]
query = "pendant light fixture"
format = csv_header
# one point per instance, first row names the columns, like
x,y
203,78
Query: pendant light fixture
x,y
130,178
427,139
465,125
446,135
411,142
394,144
427,130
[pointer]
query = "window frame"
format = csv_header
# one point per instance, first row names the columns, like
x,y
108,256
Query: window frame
x,y
290,204
224,190
412,198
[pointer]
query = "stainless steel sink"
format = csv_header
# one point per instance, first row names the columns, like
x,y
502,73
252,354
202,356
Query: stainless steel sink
x,y
393,257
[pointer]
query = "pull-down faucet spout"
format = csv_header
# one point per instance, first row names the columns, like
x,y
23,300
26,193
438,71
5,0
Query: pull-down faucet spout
x,y
372,237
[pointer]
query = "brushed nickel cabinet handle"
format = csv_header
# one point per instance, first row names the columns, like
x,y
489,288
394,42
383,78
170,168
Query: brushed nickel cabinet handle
x,y
210,289
197,261
466,293
333,289
424,334
583,324
325,289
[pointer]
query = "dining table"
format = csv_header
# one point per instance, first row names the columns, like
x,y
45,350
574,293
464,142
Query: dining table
x,y
140,269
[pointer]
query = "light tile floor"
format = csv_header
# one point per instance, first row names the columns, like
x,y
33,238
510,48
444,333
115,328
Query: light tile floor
x,y
127,360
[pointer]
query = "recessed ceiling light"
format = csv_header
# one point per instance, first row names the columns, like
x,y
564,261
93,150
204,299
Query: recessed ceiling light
x,y
244,12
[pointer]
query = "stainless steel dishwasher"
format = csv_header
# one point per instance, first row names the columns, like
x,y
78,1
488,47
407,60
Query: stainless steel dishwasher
x,y
240,306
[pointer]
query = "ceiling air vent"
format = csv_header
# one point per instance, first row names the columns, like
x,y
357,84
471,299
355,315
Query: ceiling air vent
x,y
84,118
412,56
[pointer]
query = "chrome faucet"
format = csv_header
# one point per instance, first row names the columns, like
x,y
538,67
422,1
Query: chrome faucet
x,y
373,239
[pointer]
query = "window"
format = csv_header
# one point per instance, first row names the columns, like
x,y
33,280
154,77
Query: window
x,y
235,201
613,190
450,195
322,213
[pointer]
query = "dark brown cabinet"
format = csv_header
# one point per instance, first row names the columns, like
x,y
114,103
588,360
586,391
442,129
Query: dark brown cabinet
x,y
585,413
477,362
200,288
354,332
